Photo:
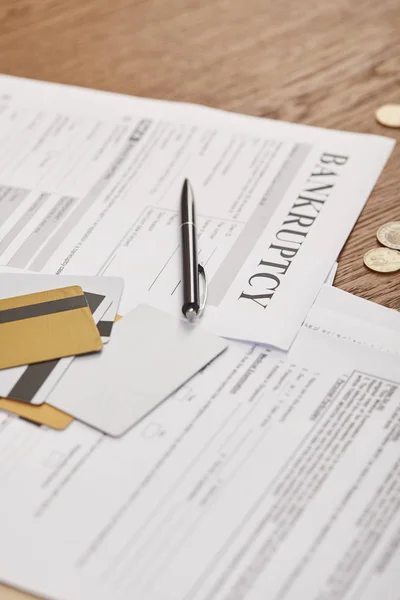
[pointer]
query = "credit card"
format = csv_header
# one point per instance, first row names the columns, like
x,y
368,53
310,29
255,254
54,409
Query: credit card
x,y
41,415
46,326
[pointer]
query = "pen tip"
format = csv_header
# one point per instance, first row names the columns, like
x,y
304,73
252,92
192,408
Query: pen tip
x,y
186,190
187,202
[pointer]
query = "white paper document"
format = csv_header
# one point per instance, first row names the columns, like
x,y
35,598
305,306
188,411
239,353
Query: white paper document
x,y
269,475
90,180
151,355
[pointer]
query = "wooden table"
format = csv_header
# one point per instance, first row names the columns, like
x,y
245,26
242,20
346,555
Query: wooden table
x,y
329,64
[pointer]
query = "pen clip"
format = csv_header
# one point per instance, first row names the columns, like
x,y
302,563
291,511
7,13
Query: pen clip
x,y
202,273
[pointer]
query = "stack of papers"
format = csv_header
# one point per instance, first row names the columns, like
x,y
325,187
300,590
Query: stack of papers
x,y
274,473
175,464
97,190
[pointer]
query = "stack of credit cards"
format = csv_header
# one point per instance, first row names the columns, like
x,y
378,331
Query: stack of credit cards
x,y
46,322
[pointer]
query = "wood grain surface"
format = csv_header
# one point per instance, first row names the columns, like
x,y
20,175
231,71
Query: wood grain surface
x,y
329,64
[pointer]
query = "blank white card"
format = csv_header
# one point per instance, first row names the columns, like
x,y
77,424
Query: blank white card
x,y
149,356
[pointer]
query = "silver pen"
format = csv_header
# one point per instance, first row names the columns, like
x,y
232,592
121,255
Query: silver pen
x,y
192,305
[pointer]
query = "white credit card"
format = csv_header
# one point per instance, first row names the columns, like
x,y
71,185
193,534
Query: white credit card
x,y
150,355
32,383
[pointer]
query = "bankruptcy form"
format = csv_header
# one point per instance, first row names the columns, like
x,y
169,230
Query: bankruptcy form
x,y
90,181
269,475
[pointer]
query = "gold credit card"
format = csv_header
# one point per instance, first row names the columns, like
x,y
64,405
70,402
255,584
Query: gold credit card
x,y
9,593
42,415
46,326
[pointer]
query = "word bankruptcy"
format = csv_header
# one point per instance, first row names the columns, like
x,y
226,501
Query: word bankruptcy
x,y
294,230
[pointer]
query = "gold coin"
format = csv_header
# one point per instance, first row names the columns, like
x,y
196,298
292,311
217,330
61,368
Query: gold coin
x,y
389,235
383,260
388,115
